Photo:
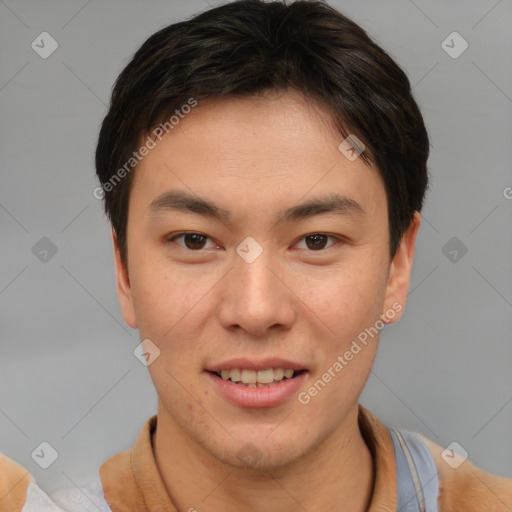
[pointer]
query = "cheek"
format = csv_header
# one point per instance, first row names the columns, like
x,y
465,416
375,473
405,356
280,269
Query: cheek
x,y
347,309
171,307
346,296
338,386
162,294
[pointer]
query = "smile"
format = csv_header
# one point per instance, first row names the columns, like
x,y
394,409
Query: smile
x,y
244,387
260,378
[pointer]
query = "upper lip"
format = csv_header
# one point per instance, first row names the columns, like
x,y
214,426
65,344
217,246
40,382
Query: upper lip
x,y
253,364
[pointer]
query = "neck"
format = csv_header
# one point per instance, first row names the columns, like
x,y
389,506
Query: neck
x,y
335,475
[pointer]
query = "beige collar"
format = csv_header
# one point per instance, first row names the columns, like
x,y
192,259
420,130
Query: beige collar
x,y
131,480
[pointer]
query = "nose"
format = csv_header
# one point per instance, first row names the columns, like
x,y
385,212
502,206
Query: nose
x,y
257,296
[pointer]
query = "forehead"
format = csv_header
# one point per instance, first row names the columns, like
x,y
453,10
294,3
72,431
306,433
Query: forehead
x,y
279,147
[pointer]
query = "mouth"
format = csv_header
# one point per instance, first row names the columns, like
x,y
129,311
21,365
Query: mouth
x,y
255,387
257,378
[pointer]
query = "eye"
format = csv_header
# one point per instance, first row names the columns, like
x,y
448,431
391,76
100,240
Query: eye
x,y
196,241
317,241
192,241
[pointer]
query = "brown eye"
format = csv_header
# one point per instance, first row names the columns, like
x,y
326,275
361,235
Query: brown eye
x,y
192,241
317,241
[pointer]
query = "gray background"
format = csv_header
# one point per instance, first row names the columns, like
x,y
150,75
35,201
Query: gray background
x,y
68,375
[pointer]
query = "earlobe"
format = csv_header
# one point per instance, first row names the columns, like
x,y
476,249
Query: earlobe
x,y
400,273
123,287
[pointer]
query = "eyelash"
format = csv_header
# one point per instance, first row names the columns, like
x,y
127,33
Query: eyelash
x,y
172,238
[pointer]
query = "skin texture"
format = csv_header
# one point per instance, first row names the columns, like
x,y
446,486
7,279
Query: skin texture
x,y
255,157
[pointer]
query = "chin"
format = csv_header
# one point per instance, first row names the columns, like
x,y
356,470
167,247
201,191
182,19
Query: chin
x,y
253,458
260,450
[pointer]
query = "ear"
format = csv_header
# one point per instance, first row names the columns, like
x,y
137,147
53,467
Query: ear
x,y
124,291
399,274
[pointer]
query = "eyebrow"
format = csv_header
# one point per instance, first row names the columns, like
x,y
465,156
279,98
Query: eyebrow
x,y
332,203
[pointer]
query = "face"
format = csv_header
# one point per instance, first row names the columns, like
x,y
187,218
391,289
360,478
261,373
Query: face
x,y
232,275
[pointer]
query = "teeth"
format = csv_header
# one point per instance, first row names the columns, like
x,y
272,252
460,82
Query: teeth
x,y
260,378
265,376
278,374
234,375
249,376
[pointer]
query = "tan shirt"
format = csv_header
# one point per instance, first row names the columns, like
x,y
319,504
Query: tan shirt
x,y
130,481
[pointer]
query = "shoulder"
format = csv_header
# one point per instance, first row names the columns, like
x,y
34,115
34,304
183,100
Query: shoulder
x,y
14,483
463,486
120,486
20,493
129,477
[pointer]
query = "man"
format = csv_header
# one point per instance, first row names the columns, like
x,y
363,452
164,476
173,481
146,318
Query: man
x,y
264,167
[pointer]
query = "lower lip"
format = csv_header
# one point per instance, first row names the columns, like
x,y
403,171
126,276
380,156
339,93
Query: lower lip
x,y
269,396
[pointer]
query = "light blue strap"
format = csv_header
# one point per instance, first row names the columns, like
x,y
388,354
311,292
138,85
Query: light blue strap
x,y
416,473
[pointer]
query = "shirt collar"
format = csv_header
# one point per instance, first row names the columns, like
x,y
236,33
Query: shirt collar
x,y
138,467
